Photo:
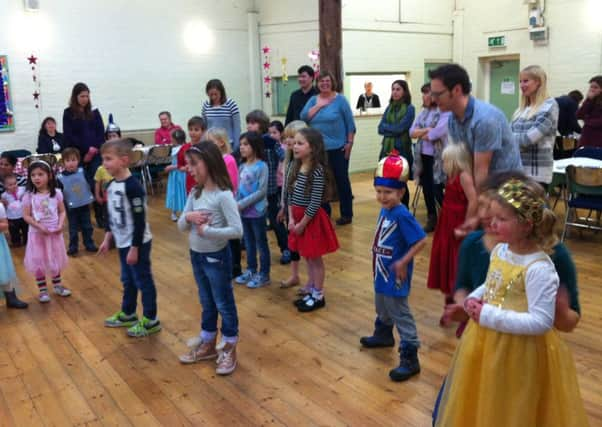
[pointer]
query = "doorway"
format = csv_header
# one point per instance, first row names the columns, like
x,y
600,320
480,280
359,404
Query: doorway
x,y
504,89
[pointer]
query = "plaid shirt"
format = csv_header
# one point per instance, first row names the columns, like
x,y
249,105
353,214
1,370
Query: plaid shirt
x,y
273,154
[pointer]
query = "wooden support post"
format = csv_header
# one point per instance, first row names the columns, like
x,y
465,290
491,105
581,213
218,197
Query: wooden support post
x,y
331,40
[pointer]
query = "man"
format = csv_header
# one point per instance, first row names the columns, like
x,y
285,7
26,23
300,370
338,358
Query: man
x,y
479,125
368,99
163,134
305,77
567,113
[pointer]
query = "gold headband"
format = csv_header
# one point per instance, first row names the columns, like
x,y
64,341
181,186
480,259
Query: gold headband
x,y
517,194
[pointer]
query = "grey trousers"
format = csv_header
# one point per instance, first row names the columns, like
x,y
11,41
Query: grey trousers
x,y
396,311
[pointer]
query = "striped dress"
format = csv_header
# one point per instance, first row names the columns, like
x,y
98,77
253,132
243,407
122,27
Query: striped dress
x,y
535,136
224,116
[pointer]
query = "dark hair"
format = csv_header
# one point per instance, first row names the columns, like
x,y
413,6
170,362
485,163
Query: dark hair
x,y
37,164
278,125
426,88
333,80
452,75
179,135
598,80
217,84
9,158
306,69
214,162
255,140
121,147
43,126
75,107
407,96
167,113
495,180
70,152
576,96
197,121
258,116
10,176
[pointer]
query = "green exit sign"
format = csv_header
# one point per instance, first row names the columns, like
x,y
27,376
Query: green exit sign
x,y
498,41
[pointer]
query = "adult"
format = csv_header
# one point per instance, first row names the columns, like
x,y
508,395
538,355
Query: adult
x,y
49,139
534,125
430,130
567,113
395,126
7,168
368,99
330,113
163,134
480,125
591,114
298,99
219,111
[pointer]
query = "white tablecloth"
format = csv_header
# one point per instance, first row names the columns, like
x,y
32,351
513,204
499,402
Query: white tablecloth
x,y
561,165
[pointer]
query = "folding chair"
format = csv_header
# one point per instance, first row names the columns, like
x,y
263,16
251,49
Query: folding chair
x,y
159,156
416,199
584,187
137,167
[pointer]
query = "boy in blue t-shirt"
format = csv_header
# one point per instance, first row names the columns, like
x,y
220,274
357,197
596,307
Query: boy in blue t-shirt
x,y
398,238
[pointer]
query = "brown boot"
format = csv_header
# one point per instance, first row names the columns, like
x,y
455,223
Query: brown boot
x,y
226,362
199,350
431,224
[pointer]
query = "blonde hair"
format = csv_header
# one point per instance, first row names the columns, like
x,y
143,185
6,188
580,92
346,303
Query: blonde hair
x,y
457,158
289,132
220,135
538,74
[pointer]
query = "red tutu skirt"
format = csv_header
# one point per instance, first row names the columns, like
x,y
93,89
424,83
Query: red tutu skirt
x,y
317,239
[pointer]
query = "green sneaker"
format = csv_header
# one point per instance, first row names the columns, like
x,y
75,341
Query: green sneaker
x,y
144,328
120,319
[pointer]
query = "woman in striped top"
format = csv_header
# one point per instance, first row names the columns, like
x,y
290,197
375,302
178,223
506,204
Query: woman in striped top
x,y
310,231
219,111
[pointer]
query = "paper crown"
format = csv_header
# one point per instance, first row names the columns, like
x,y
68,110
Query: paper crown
x,y
392,171
112,127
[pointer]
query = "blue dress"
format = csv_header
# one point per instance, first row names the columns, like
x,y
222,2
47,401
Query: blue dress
x,y
7,269
175,198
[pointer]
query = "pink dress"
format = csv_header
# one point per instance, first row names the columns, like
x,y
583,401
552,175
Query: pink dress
x,y
45,253
232,171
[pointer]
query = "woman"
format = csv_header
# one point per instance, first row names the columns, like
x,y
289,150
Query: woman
x,y
395,126
330,113
430,129
49,140
534,125
219,111
591,114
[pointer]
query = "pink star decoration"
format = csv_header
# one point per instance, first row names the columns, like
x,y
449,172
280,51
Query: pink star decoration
x,y
265,49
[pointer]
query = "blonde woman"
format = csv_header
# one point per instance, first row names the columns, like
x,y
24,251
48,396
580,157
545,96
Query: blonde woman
x,y
534,125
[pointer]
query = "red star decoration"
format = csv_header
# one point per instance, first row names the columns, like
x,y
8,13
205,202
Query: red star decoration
x,y
267,80
268,94
266,65
36,95
265,49
32,59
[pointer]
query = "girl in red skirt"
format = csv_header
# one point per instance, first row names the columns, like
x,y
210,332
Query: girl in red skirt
x,y
459,203
310,231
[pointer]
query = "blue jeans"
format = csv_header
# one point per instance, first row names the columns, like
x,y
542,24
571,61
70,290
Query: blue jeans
x,y
213,274
138,277
340,169
255,235
79,219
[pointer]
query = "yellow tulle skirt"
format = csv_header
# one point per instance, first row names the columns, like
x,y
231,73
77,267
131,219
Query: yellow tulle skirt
x,y
503,380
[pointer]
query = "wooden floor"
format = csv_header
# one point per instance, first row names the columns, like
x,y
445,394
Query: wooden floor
x,y
60,366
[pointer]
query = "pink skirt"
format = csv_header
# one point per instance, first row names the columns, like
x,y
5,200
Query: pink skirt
x,y
45,254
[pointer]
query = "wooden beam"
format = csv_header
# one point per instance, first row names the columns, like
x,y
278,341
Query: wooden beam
x,y
331,40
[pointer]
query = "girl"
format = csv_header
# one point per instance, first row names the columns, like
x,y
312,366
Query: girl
x,y
176,182
460,203
44,211
7,269
275,130
289,140
511,368
211,215
252,203
310,231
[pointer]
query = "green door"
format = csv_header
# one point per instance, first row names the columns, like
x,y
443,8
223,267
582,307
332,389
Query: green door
x,y
503,86
428,66
282,93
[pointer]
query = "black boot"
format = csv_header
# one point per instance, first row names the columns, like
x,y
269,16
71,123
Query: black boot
x,y
408,363
12,301
382,337
431,223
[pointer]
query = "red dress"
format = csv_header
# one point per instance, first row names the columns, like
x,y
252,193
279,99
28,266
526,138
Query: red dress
x,y
318,238
444,254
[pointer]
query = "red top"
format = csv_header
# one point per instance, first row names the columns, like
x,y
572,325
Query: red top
x,y
591,114
182,162
163,135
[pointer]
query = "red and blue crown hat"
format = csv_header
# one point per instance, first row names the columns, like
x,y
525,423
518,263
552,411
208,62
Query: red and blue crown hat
x,y
392,171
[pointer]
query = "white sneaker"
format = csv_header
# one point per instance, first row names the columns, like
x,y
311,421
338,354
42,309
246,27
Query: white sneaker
x,y
62,291
44,297
174,217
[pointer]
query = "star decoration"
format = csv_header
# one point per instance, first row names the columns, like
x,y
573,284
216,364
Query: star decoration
x,y
267,80
268,94
266,65
265,49
36,95
32,59
34,78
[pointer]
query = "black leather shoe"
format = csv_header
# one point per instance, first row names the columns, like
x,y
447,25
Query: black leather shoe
x,y
344,220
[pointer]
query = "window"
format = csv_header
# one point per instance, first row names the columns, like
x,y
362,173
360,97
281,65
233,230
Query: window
x,y
381,86
281,93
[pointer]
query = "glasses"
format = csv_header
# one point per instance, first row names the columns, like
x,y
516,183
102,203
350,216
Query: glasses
x,y
438,94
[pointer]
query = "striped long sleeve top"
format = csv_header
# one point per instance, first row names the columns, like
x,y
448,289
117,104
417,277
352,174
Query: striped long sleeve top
x,y
224,116
311,200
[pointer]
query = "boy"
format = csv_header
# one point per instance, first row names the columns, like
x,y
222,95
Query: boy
x,y
78,197
12,198
127,224
196,130
399,237
258,121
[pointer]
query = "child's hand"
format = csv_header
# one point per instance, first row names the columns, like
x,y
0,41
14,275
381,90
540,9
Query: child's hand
x,y
99,200
454,312
105,245
197,217
132,257
299,229
401,271
170,168
200,229
473,308
43,229
469,225
280,216
291,226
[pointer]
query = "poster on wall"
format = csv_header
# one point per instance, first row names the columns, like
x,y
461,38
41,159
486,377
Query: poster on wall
x,y
6,111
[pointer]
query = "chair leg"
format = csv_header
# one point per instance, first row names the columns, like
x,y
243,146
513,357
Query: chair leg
x,y
416,199
149,178
566,224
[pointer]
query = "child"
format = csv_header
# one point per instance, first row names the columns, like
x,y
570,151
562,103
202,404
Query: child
x,y
127,225
258,121
101,182
175,197
289,143
12,198
511,368
211,216
196,129
310,231
459,204
252,204
44,211
7,270
219,137
399,237
112,132
275,131
77,201
8,163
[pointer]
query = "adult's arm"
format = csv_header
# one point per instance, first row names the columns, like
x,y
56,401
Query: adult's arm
x,y
375,101
235,118
348,120
360,103
396,129
70,140
482,160
440,129
289,110
545,123
590,115
44,145
99,130
158,138
309,110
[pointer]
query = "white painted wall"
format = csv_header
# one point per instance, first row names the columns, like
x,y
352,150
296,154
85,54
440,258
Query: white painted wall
x,y
132,54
